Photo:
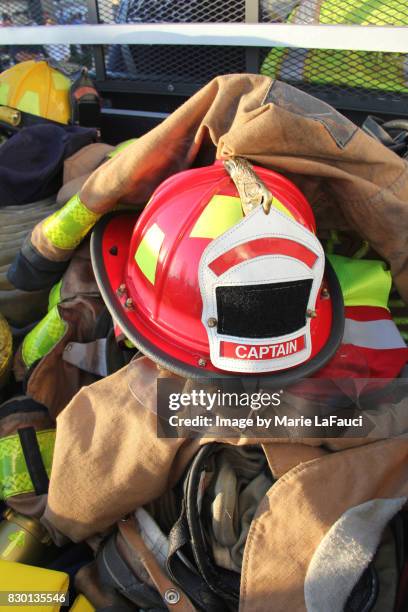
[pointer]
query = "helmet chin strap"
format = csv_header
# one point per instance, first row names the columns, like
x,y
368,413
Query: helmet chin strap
x,y
252,191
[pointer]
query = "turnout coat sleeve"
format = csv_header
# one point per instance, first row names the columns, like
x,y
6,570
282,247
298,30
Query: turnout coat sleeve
x,y
107,460
351,180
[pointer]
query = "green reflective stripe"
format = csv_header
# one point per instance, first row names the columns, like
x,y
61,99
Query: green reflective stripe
x,y
45,335
4,92
30,103
14,475
54,297
68,226
221,213
147,253
60,81
120,147
363,282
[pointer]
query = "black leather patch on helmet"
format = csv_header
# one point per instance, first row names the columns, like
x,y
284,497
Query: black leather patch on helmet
x,y
263,311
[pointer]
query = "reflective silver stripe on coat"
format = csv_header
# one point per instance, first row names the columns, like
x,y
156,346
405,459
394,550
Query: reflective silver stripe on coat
x,y
382,334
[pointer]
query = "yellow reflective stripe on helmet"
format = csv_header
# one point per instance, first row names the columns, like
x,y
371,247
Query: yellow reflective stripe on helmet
x,y
60,81
14,475
68,226
30,103
45,335
223,212
4,93
279,206
147,253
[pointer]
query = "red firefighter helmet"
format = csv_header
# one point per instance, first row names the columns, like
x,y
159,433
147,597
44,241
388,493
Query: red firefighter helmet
x,y
222,274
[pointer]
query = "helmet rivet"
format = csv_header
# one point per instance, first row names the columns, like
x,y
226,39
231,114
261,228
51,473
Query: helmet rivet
x,y
129,303
311,313
121,289
171,596
212,322
202,363
325,293
113,250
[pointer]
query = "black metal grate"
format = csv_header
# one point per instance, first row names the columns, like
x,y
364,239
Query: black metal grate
x,y
168,64
172,64
340,73
45,12
361,12
347,79
172,11
339,70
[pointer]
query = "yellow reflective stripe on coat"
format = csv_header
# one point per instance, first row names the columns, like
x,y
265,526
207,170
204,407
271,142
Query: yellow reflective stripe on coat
x,y
43,337
363,282
54,297
121,147
68,226
14,475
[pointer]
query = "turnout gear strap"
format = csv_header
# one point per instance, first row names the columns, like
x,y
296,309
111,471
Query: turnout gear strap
x,y
174,598
67,227
33,458
15,471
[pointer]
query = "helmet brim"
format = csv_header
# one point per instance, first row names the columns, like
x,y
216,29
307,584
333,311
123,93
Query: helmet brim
x,y
109,278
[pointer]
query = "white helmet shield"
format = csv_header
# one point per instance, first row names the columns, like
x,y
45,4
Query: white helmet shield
x,y
258,281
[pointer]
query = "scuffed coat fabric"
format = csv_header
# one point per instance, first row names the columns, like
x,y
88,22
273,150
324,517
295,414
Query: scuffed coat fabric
x,y
351,180
109,460
79,167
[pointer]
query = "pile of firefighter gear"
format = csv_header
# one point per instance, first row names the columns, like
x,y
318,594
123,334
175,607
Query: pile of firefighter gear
x,y
260,235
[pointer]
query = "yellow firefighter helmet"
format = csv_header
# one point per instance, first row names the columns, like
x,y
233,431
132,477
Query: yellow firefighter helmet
x,y
34,87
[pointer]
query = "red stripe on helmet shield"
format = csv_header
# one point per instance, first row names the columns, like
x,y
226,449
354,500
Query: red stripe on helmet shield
x,y
259,247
